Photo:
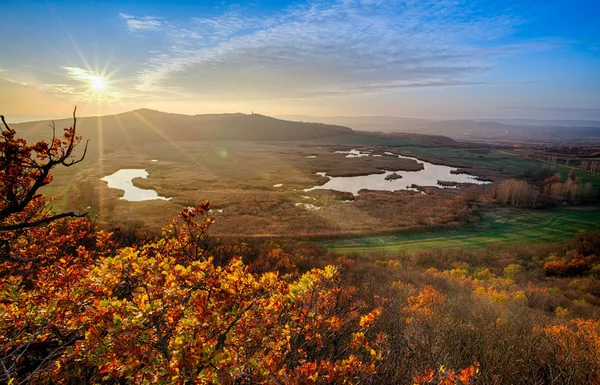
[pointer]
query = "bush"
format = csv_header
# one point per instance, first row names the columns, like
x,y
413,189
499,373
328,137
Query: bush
x,y
572,264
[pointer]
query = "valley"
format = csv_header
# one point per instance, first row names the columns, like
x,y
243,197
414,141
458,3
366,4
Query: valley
x,y
492,237
307,192
328,184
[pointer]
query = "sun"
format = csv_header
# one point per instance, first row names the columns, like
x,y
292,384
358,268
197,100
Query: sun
x,y
98,84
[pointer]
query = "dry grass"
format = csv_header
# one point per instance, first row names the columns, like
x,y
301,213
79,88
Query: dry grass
x,y
238,177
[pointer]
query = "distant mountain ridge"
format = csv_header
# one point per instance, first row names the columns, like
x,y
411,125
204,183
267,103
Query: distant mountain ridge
x,y
390,119
147,126
544,122
529,130
144,125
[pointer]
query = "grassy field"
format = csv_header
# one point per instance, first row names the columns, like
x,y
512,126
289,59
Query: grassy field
x,y
586,176
494,160
499,161
506,226
364,140
257,188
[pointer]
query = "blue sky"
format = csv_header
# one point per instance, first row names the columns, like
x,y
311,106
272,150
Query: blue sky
x,y
439,59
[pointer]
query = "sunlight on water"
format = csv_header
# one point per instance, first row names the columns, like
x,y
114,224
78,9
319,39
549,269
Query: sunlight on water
x,y
354,153
123,180
429,176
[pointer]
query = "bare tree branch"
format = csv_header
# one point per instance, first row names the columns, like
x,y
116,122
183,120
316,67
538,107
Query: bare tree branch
x,y
26,225
24,169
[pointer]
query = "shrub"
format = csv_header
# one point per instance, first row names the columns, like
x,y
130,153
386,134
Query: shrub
x,y
572,264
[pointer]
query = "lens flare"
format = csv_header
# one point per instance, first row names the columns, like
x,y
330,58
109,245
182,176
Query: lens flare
x,y
98,84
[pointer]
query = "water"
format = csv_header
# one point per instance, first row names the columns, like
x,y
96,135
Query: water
x,y
123,180
354,153
429,176
308,206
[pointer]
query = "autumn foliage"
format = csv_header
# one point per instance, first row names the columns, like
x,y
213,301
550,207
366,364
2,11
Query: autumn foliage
x,y
572,264
79,306
443,376
85,305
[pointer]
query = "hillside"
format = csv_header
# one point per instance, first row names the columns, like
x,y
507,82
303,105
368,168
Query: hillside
x,y
368,123
146,126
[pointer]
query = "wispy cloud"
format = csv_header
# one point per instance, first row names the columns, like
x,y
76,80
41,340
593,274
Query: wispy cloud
x,y
329,48
77,73
64,89
148,23
55,88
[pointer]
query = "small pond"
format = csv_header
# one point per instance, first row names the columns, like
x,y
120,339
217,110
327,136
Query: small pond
x,y
308,206
123,180
429,176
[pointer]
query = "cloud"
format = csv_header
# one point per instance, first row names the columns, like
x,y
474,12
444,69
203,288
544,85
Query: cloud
x,y
330,48
63,89
38,103
147,23
59,89
77,73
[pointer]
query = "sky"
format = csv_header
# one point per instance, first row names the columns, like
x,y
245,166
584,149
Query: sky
x,y
413,58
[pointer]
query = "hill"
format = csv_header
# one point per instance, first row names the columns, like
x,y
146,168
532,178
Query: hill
x,y
368,123
146,126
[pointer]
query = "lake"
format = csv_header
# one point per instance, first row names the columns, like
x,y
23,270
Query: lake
x,y
429,176
123,180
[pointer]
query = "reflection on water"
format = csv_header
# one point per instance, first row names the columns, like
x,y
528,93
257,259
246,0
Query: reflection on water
x,y
354,153
429,176
123,180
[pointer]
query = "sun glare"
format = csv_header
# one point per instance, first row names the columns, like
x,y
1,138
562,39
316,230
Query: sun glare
x,y
98,84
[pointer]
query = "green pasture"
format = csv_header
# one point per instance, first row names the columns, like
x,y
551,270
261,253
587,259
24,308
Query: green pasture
x,y
586,176
494,160
508,226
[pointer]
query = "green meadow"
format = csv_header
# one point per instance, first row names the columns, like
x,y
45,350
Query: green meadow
x,y
506,226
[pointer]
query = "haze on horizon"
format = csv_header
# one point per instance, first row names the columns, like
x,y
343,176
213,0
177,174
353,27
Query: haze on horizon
x,y
432,59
